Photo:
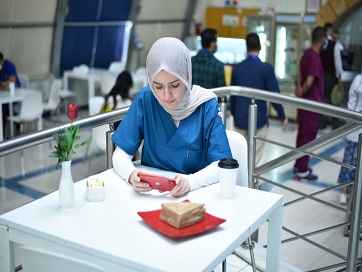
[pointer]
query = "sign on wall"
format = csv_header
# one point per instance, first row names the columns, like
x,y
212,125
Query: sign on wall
x,y
229,22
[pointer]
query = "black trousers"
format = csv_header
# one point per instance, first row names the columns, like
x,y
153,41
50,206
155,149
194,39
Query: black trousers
x,y
329,82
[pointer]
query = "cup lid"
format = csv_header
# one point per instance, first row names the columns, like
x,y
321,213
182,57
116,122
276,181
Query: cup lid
x,y
228,163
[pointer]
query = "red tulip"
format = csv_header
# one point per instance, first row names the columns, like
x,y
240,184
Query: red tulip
x,y
72,111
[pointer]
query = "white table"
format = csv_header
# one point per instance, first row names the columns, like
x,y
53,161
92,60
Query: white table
x,y
93,77
6,98
113,236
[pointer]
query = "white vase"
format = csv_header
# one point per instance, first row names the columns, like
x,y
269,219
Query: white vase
x,y
66,188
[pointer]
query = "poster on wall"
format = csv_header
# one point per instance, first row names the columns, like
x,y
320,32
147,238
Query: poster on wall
x,y
313,6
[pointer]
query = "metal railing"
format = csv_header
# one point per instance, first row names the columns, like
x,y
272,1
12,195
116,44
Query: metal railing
x,y
354,122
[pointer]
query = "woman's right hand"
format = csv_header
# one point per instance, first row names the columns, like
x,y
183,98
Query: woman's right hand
x,y
137,184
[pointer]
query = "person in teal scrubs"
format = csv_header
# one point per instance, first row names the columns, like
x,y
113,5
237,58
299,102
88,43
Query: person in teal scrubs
x,y
180,124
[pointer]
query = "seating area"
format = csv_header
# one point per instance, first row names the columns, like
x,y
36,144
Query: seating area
x,y
31,111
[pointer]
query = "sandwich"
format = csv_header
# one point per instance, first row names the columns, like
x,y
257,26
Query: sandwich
x,y
182,214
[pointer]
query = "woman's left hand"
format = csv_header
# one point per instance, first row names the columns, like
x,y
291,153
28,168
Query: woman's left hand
x,y
182,186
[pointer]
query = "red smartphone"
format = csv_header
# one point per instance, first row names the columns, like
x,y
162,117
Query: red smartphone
x,y
158,182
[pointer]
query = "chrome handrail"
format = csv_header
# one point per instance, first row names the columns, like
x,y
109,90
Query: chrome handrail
x,y
39,137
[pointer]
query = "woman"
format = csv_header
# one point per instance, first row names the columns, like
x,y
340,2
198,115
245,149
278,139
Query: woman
x,y
180,124
350,151
118,97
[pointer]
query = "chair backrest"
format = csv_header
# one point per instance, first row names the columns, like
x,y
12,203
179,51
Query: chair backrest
x,y
99,136
32,107
24,80
38,260
239,150
117,66
95,104
54,95
107,83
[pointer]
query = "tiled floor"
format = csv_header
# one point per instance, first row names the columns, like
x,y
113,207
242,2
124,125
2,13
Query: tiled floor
x,y
38,176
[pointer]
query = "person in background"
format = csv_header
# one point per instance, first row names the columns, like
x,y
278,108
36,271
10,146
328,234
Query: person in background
x,y
310,86
336,38
179,124
254,73
118,97
207,71
350,151
7,74
332,71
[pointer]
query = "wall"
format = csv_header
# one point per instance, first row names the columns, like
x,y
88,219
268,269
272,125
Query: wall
x,y
153,23
278,6
27,34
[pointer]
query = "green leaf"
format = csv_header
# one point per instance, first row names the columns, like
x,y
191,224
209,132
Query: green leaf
x,y
66,146
54,154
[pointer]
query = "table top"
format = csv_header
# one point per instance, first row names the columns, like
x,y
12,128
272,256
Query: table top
x,y
19,95
91,73
95,73
113,230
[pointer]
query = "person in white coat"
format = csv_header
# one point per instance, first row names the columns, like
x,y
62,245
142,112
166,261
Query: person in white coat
x,y
350,151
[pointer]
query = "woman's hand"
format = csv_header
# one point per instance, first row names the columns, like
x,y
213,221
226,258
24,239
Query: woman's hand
x,y
137,184
182,186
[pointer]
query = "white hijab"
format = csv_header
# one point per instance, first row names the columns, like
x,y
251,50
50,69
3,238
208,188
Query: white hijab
x,y
171,55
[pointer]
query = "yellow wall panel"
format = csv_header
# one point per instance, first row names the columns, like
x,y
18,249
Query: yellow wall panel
x,y
327,13
350,3
229,22
338,6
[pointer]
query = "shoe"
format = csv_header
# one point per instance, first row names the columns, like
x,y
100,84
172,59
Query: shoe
x,y
343,199
295,170
306,178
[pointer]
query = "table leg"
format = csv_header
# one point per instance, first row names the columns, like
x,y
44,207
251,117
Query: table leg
x,y
11,113
274,240
1,124
40,123
65,81
91,88
6,251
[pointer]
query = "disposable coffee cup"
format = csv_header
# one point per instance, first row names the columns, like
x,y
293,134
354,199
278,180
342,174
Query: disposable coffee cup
x,y
12,88
228,171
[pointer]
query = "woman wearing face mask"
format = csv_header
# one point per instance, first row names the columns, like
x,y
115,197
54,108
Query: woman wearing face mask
x,y
180,124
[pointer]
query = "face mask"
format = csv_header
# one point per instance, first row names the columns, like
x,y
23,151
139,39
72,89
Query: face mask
x,y
325,45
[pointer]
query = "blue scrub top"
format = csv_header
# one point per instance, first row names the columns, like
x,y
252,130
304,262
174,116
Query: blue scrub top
x,y
199,140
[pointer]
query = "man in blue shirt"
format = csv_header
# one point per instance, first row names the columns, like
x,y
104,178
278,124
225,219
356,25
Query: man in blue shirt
x,y
207,71
7,72
254,73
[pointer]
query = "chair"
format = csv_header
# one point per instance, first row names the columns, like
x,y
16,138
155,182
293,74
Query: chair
x,y
107,81
95,104
239,150
31,111
24,80
65,95
98,141
38,260
117,67
54,97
